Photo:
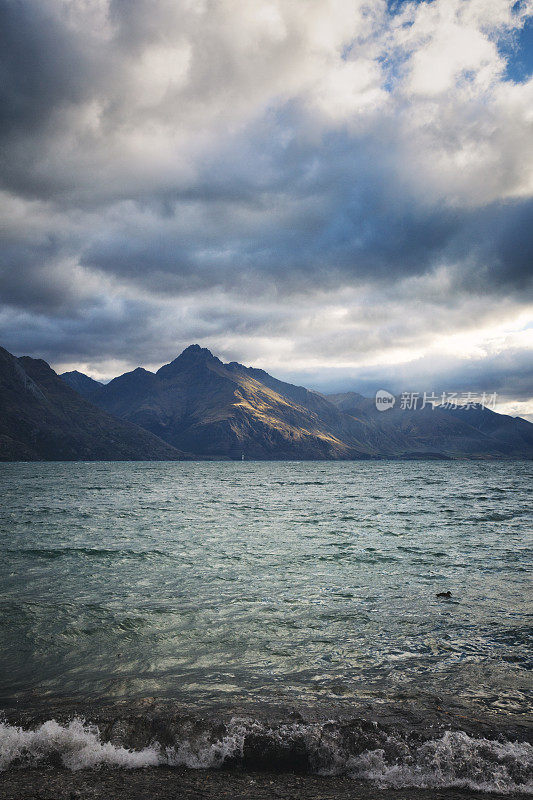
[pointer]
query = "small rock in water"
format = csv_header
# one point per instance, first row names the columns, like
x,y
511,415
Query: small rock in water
x,y
444,594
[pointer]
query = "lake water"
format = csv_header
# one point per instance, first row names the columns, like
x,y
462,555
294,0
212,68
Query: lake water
x,y
257,584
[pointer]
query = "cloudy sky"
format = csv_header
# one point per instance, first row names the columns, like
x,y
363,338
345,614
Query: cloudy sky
x,y
338,191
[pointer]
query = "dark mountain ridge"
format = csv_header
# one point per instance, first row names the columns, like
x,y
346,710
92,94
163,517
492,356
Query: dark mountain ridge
x,y
43,419
198,404
80,382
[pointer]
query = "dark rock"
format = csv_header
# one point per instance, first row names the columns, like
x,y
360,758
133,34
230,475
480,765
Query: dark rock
x,y
265,753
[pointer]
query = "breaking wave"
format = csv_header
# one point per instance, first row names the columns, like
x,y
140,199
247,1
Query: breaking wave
x,y
360,749
76,746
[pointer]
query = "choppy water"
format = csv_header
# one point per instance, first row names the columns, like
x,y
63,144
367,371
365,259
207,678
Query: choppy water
x,y
248,584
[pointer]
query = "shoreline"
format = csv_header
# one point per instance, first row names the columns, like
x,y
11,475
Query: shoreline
x,y
161,749
426,715
164,783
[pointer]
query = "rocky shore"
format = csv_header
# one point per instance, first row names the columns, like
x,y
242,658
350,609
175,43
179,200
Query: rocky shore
x,y
51,783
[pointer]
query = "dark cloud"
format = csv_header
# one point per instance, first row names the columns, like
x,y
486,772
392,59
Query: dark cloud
x,y
335,232
257,177
31,277
44,67
509,374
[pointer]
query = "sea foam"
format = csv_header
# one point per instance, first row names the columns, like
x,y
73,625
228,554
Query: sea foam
x,y
454,759
78,746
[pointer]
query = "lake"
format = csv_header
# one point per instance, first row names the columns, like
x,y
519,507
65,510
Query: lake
x,y
257,585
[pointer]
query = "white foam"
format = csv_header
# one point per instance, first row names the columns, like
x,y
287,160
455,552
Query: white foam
x,y
454,760
77,744
204,753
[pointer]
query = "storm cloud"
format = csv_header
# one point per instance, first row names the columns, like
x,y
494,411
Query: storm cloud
x,y
339,191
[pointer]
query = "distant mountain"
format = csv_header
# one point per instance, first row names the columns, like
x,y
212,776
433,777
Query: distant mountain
x,y
514,433
81,383
41,418
202,406
474,432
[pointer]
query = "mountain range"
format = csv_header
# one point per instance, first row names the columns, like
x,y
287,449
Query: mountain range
x,y
199,407
43,419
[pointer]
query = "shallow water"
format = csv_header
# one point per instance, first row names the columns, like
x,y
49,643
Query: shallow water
x,y
247,584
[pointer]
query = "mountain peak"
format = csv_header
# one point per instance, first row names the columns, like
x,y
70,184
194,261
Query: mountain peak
x,y
81,383
195,350
74,372
193,355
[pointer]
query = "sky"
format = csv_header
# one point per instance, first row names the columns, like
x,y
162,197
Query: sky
x,y
337,191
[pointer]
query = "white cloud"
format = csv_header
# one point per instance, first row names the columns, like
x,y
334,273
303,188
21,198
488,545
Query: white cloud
x,y
172,82
288,153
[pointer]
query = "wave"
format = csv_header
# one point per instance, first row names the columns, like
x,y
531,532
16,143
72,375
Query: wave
x,y
90,552
76,746
362,750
